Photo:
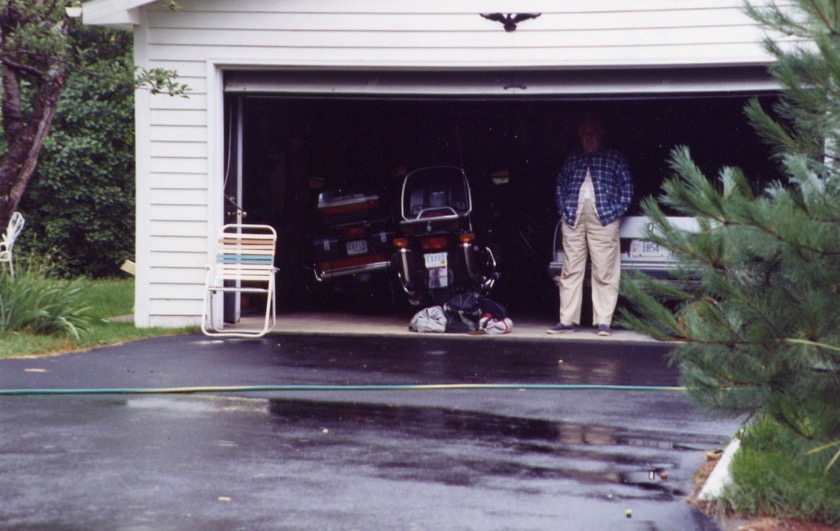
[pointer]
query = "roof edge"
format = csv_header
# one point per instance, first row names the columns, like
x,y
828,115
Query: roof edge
x,y
123,13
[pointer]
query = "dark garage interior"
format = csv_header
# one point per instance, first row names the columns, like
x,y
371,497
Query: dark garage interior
x,y
294,147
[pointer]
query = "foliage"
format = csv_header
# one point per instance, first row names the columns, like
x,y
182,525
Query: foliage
x,y
35,302
761,326
33,48
107,300
767,480
35,56
81,199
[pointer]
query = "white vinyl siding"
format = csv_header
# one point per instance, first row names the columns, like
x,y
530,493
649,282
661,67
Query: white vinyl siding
x,y
567,33
179,161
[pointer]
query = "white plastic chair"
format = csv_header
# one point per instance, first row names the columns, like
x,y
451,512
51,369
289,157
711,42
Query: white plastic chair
x,y
7,244
244,263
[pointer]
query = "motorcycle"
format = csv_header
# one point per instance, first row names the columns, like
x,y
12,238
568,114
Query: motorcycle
x,y
437,254
355,233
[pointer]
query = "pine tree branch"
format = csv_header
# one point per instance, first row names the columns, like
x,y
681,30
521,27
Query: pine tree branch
x,y
730,343
728,223
813,344
826,447
822,17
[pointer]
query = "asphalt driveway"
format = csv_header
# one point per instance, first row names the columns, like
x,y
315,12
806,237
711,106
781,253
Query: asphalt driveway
x,y
169,433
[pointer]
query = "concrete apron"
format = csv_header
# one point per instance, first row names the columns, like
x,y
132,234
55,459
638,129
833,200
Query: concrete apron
x,y
317,323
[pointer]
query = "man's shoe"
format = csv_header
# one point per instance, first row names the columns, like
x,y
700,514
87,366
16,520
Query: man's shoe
x,y
603,330
561,328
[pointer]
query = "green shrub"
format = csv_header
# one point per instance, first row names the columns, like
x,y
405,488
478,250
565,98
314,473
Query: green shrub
x,y
81,198
34,302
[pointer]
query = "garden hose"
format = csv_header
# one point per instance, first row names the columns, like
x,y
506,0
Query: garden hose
x,y
296,388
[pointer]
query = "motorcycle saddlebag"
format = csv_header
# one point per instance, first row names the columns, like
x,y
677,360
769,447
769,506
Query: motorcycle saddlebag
x,y
341,209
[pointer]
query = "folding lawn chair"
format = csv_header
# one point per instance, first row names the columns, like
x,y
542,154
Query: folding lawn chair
x,y
244,263
8,242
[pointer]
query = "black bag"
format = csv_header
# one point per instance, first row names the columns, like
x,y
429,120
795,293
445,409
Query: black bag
x,y
462,313
489,306
455,324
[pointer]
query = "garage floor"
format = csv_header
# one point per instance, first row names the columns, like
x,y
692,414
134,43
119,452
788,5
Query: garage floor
x,y
385,326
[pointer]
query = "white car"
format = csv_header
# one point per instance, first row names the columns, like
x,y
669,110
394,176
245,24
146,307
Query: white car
x,y
637,254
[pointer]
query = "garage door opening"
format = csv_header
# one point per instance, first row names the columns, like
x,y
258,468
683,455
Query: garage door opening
x,y
296,146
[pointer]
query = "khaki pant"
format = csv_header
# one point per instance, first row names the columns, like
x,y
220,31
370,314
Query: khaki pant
x,y
601,244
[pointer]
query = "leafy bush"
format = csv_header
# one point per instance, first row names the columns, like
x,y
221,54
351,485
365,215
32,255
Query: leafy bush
x,y
81,199
34,302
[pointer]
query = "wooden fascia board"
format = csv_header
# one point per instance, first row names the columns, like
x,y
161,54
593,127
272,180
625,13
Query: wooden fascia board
x,y
113,12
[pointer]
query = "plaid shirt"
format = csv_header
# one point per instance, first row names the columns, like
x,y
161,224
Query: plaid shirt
x,y
610,178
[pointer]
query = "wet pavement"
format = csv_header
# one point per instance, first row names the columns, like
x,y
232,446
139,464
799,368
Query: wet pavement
x,y
121,455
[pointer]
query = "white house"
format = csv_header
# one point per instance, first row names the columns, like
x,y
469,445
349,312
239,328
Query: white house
x,y
307,73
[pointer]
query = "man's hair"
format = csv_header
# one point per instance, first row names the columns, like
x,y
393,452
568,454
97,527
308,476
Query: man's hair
x,y
592,122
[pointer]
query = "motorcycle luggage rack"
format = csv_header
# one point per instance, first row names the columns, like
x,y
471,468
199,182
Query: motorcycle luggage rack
x,y
447,224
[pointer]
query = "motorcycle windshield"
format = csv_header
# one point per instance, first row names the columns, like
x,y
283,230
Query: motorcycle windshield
x,y
434,192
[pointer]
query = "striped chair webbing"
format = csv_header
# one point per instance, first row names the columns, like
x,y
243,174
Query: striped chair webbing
x,y
244,273
245,257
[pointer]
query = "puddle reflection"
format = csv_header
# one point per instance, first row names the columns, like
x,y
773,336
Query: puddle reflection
x,y
462,447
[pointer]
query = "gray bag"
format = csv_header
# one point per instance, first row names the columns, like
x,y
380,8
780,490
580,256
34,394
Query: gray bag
x,y
431,319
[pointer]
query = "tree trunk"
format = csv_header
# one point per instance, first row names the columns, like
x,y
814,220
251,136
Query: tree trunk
x,y
25,139
26,132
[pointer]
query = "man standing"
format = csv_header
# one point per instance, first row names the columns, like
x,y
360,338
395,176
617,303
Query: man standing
x,y
593,192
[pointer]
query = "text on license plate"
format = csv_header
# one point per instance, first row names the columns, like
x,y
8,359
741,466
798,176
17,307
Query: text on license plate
x,y
647,249
357,247
434,260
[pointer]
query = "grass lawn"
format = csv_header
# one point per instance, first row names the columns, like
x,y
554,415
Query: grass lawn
x,y
107,299
774,476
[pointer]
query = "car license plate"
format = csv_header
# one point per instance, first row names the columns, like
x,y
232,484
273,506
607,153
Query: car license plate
x,y
433,260
357,247
647,249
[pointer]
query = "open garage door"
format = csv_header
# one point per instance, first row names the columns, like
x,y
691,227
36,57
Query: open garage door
x,y
307,131
569,84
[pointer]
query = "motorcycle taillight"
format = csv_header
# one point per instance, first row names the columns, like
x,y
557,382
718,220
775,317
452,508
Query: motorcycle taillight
x,y
435,243
354,233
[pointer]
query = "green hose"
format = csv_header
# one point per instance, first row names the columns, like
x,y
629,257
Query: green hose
x,y
294,388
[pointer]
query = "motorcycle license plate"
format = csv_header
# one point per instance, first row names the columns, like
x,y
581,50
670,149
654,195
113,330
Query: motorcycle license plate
x,y
357,247
433,260
438,271
647,249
